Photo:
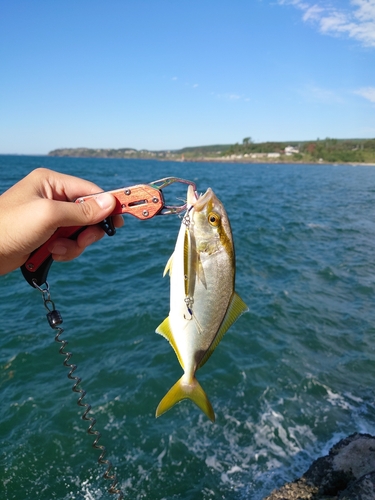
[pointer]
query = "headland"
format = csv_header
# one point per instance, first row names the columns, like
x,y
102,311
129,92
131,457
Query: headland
x,y
353,151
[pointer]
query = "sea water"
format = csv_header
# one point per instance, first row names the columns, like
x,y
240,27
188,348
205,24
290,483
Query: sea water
x,y
290,378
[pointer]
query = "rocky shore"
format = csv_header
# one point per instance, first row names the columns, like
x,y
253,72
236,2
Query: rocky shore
x,y
346,473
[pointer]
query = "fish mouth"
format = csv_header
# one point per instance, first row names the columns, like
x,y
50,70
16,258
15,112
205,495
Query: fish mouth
x,y
192,196
198,202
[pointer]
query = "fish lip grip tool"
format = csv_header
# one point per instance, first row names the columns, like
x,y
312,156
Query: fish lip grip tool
x,y
143,201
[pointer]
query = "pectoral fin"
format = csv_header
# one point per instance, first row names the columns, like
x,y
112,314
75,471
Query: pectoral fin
x,y
186,390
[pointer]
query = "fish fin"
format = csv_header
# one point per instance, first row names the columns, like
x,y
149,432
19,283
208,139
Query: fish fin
x,y
165,330
236,307
186,390
168,266
197,324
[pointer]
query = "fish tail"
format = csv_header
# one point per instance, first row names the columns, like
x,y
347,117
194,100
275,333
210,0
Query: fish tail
x,y
186,390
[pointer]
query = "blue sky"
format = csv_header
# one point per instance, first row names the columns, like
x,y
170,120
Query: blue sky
x,y
165,74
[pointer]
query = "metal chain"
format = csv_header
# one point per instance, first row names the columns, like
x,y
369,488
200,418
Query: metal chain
x,y
55,320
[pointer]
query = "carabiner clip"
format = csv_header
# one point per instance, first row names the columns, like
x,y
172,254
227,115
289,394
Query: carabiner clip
x,y
167,181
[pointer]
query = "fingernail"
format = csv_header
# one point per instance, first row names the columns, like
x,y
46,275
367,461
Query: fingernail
x,y
104,200
59,250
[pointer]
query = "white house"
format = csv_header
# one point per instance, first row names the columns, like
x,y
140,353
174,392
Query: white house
x,y
290,150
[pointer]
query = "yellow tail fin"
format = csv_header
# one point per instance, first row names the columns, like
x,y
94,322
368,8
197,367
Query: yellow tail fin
x,y
186,390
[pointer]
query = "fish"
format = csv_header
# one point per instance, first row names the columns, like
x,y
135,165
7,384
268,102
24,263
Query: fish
x,y
203,301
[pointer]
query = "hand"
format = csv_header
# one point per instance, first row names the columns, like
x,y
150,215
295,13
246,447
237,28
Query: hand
x,y
32,210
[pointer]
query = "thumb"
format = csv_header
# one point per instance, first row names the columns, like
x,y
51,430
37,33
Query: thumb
x,y
88,212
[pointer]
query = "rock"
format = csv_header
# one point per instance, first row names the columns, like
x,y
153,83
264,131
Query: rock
x,y
346,473
363,489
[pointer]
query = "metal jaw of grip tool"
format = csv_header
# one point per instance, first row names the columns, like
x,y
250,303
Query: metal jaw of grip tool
x,y
143,201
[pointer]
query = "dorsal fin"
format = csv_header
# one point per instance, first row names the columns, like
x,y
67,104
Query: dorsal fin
x,y
236,307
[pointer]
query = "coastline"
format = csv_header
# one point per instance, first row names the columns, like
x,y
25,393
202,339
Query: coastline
x,y
247,161
319,152
208,159
269,161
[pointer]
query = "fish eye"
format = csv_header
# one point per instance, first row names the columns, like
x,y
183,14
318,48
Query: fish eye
x,y
214,219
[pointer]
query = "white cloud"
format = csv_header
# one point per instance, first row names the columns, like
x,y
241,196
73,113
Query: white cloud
x,y
357,21
367,93
312,13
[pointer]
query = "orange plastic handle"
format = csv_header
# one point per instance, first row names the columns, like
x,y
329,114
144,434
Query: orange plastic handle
x,y
143,201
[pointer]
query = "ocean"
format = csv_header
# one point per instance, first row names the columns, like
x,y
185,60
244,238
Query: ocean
x,y
290,378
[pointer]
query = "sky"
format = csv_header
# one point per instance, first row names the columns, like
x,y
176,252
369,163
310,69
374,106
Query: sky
x,y
168,74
